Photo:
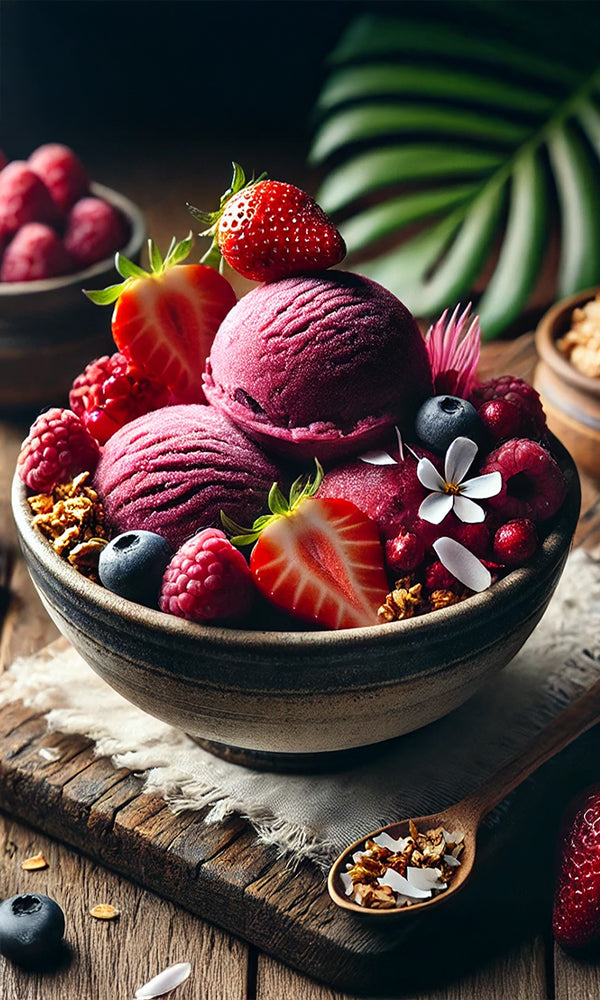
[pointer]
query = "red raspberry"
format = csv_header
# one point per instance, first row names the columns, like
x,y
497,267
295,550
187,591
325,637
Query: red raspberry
x,y
36,252
520,394
57,448
576,915
207,580
475,537
515,542
94,230
111,392
533,485
404,552
23,198
62,172
501,418
437,577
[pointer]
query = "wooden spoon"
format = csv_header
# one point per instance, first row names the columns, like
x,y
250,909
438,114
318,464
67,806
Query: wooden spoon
x,y
467,814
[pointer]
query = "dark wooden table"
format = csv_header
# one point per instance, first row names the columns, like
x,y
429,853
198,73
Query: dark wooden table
x,y
113,959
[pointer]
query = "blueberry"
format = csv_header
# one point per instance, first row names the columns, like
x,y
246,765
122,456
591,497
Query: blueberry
x,y
132,565
31,928
443,418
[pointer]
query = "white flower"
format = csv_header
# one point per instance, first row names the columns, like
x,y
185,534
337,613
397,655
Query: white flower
x,y
449,491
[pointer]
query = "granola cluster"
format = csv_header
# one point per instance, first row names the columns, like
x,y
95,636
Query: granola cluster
x,y
409,599
391,873
72,518
581,345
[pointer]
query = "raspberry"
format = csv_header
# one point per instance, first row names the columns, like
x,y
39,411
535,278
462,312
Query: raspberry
x,y
23,198
437,577
207,580
404,552
111,392
94,230
62,172
475,537
576,912
533,485
521,394
36,252
57,448
515,542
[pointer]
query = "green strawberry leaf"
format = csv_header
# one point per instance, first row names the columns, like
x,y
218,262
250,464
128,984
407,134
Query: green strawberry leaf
x,y
463,151
105,296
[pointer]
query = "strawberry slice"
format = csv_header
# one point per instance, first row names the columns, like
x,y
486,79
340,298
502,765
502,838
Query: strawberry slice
x,y
165,319
321,560
268,229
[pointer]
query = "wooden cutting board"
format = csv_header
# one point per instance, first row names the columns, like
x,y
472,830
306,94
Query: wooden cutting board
x,y
219,872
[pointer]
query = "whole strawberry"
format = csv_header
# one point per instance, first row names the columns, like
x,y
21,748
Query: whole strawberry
x,y
268,229
57,448
576,913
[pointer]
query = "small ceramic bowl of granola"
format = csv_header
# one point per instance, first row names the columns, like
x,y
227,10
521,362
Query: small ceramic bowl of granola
x,y
297,699
49,330
568,375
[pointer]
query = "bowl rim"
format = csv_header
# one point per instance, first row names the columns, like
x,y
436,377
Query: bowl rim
x,y
555,544
547,333
133,245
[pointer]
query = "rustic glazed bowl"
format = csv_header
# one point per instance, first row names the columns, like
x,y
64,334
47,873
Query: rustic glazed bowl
x,y
571,400
49,330
284,697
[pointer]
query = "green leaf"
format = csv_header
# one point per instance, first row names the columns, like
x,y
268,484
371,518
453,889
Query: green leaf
x,y
105,296
155,257
127,268
523,247
380,220
376,121
378,168
179,251
579,200
430,81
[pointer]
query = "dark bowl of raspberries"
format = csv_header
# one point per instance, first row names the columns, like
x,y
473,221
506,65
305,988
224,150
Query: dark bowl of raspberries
x,y
59,232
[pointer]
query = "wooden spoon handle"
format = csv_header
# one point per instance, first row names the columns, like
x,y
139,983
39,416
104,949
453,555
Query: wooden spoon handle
x,y
573,722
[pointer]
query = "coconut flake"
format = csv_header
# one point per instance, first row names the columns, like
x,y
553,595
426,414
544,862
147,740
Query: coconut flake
x,y
400,444
400,884
347,882
166,981
377,457
462,564
395,846
451,861
456,837
49,753
425,878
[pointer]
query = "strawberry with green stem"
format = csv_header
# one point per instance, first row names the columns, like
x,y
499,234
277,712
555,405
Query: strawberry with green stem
x,y
165,319
268,229
321,560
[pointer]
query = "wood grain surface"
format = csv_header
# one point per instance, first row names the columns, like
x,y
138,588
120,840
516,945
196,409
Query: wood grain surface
x,y
497,944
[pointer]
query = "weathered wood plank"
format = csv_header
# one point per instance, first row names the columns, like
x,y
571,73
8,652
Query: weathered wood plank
x,y
575,978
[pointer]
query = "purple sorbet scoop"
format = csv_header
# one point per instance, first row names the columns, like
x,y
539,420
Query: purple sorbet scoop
x,y
319,365
173,470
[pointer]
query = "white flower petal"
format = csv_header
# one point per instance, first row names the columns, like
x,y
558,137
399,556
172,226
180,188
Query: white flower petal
x,y
398,883
435,507
377,458
459,459
468,511
166,981
482,486
429,476
462,564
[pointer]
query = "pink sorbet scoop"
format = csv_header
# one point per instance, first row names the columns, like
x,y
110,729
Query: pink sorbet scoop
x,y
173,470
319,365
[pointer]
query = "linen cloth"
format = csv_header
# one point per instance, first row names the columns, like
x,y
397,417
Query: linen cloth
x,y
317,815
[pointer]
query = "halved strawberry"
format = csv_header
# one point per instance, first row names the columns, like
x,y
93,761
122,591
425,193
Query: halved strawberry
x,y
269,229
165,319
321,560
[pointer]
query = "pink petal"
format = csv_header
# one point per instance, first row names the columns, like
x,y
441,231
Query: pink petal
x,y
428,476
467,511
462,564
435,507
453,351
459,459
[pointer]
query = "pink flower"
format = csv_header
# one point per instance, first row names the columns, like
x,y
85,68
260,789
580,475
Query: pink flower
x,y
453,346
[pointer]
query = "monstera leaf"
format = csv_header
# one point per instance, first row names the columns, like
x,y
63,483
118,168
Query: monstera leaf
x,y
454,155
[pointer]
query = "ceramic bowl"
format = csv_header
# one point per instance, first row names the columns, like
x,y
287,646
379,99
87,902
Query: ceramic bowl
x,y
571,400
49,330
286,697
